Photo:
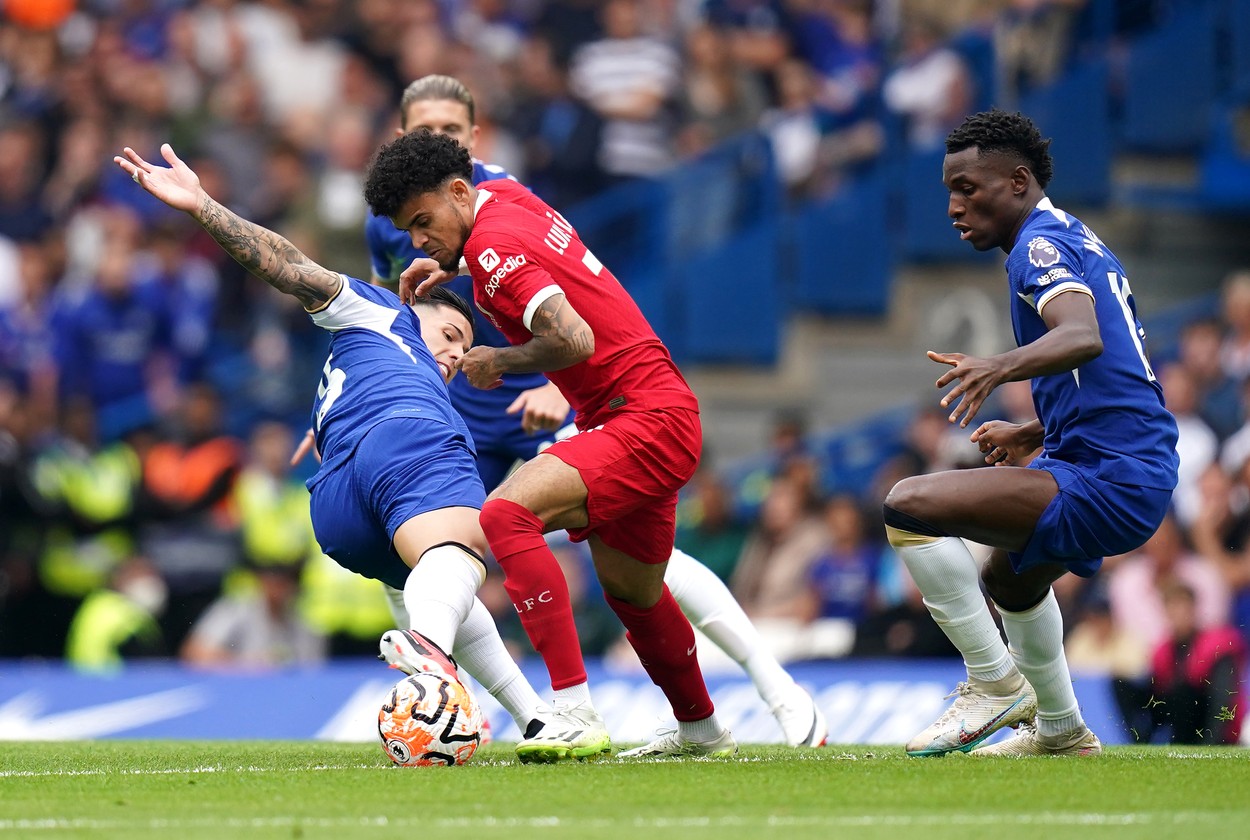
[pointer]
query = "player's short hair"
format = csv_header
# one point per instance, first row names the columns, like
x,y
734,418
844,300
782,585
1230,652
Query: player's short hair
x,y
442,296
999,132
413,164
436,87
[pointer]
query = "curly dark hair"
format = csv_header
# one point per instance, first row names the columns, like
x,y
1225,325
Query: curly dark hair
x,y
442,296
416,163
999,132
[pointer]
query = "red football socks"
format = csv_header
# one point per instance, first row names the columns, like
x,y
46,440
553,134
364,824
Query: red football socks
x,y
664,641
537,588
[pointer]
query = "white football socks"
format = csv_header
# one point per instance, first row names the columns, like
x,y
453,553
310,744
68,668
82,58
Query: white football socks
x,y
1036,637
712,608
440,590
947,577
480,651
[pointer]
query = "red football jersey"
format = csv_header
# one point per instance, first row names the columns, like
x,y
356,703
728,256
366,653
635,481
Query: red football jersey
x,y
520,253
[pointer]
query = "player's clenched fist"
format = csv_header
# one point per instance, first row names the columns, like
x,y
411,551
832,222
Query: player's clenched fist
x,y
480,368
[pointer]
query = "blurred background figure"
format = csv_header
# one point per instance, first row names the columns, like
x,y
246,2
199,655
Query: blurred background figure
x,y
260,628
1195,694
121,622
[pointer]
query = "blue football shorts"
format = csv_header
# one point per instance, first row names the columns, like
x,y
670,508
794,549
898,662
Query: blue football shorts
x,y
402,467
1090,518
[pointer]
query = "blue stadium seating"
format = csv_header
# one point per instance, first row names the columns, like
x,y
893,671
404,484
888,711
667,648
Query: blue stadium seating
x,y
1170,83
1237,21
842,255
729,300
1075,113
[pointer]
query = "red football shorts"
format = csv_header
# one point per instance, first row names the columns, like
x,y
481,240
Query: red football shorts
x,y
633,466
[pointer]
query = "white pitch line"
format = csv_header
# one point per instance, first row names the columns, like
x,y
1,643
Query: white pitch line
x,y
175,771
1043,818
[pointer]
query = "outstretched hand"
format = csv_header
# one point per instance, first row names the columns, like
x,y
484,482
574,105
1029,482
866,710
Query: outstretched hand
x,y
422,275
176,185
977,380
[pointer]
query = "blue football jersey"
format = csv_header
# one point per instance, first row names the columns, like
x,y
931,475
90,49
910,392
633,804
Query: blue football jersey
x,y
1107,415
390,252
378,368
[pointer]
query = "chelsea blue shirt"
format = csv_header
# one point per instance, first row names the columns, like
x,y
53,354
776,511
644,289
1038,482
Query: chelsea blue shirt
x,y
390,252
378,368
1107,415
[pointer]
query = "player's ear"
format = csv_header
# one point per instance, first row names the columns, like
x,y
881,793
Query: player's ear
x,y
1020,179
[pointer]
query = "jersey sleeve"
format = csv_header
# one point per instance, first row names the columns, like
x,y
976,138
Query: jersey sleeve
x,y
1048,266
512,283
360,305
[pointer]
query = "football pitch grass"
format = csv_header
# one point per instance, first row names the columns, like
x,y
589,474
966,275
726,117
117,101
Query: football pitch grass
x,y
146,789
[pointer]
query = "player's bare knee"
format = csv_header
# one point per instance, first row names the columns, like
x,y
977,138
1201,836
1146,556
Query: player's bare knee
x,y
907,497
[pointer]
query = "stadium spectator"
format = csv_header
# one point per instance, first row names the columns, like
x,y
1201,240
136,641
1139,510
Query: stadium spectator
x,y
931,89
27,349
119,623
22,213
630,79
85,495
559,134
1235,314
113,340
771,579
1221,533
843,577
1032,42
708,526
718,99
257,629
1136,583
189,530
1196,692
1197,444
1220,396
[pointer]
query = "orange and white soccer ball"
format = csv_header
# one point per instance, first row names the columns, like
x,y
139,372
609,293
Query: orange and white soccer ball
x,y
430,720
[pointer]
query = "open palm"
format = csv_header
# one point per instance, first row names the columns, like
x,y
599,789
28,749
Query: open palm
x,y
176,185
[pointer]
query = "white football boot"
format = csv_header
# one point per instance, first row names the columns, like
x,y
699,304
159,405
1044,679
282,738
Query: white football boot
x,y
802,722
1029,742
572,731
673,745
974,716
412,653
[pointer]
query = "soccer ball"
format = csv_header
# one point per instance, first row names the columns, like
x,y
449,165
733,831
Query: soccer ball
x,y
430,720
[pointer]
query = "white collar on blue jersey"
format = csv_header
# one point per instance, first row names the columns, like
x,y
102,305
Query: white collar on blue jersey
x,y
1047,205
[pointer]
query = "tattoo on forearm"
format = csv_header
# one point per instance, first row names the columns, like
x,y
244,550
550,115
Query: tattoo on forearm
x,y
573,337
561,339
268,255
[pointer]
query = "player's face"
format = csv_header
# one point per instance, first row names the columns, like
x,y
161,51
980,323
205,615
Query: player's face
x,y
442,116
448,335
986,197
439,222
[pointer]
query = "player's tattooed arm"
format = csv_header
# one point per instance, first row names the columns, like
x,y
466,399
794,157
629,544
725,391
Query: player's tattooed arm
x,y
562,338
262,252
268,255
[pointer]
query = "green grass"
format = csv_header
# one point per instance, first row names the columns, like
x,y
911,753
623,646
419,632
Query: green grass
x,y
143,789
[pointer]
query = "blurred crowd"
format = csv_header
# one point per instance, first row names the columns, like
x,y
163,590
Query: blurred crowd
x,y
151,392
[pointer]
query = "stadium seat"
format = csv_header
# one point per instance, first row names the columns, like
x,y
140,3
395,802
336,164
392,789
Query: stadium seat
x,y
729,300
1170,83
1225,168
1238,23
1076,114
842,254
